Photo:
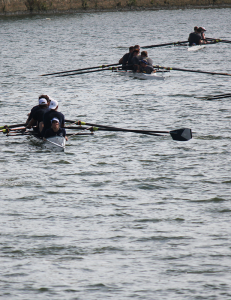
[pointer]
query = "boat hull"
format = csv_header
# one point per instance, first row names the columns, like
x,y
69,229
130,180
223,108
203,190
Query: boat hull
x,y
54,143
142,76
196,48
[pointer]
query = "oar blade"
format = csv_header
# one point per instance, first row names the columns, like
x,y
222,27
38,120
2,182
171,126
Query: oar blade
x,y
183,134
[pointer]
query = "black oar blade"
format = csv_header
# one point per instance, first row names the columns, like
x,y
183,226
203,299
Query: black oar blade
x,y
183,134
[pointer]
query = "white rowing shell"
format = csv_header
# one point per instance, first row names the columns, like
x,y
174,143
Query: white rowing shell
x,y
152,76
55,143
196,47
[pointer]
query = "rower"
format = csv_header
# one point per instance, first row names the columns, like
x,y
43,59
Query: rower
x,y
144,55
49,115
135,61
131,56
30,115
144,67
202,31
195,37
37,115
55,130
124,59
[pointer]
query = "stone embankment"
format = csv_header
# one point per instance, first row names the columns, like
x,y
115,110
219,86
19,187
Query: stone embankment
x,y
8,7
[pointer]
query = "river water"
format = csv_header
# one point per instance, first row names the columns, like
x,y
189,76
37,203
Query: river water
x,y
118,215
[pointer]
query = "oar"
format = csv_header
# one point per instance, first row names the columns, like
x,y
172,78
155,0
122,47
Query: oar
x,y
77,70
215,97
165,44
183,134
218,40
188,70
7,129
12,126
90,71
81,133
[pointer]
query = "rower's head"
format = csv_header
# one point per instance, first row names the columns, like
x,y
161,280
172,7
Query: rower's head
x,y
43,102
55,124
135,52
202,29
54,105
144,54
131,49
137,47
195,28
45,97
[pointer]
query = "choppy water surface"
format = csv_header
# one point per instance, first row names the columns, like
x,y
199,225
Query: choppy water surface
x,y
118,215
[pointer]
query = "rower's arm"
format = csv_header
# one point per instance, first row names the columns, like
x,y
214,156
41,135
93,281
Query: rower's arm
x,y
31,123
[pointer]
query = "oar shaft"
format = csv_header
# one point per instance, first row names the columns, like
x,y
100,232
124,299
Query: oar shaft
x,y
112,128
12,126
194,71
165,44
77,70
218,40
90,71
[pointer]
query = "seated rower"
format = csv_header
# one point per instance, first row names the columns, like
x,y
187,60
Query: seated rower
x,y
55,130
37,107
202,32
145,68
135,61
144,55
50,114
132,54
124,59
37,115
195,37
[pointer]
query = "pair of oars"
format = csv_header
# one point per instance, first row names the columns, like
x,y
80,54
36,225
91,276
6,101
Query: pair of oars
x,y
83,70
71,73
183,134
213,40
215,97
12,126
183,43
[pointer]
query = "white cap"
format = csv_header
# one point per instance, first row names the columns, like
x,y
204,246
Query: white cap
x,y
203,28
55,119
53,104
42,101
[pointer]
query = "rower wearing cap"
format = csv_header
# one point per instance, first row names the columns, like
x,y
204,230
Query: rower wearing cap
x,y
37,115
52,113
55,130
33,110
202,32
145,68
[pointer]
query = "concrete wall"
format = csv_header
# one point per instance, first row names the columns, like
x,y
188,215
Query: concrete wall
x,y
33,6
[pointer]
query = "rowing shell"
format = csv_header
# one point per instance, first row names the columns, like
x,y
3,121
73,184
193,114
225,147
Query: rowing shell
x,y
54,143
144,76
196,47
